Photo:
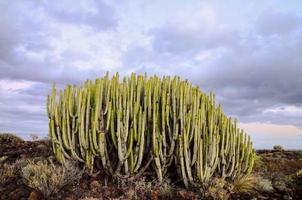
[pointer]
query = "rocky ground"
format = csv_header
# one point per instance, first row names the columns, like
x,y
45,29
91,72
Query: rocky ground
x,y
274,177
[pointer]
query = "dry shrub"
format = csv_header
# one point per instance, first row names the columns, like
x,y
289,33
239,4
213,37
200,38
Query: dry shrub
x,y
263,185
10,170
165,188
6,172
221,189
136,189
9,138
245,184
48,177
217,190
142,184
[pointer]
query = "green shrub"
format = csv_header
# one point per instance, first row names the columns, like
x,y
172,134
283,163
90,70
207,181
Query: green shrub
x,y
48,177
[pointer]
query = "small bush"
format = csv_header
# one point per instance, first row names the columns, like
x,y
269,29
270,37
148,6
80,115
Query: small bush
x,y
263,185
136,189
9,138
165,188
142,184
278,148
48,177
6,172
9,170
218,189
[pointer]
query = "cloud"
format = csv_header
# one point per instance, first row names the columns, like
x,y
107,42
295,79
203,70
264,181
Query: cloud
x,y
22,107
279,23
95,14
251,58
191,32
251,70
261,76
46,42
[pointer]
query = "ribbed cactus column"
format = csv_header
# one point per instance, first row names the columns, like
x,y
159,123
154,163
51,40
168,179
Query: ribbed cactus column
x,y
143,123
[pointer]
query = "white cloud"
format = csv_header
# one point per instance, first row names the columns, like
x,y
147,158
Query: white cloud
x,y
85,49
192,32
287,110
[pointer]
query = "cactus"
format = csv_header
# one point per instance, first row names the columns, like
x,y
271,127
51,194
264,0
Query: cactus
x,y
124,128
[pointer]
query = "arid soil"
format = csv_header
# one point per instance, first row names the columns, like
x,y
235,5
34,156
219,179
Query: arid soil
x,y
279,167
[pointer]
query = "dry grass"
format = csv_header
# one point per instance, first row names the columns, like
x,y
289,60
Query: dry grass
x,y
245,184
49,178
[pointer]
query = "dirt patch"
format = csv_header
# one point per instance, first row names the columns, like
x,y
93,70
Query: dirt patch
x,y
25,149
282,162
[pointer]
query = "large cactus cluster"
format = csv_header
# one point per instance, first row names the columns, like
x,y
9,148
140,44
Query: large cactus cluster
x,y
125,127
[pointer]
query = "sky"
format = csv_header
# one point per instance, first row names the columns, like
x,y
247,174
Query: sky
x,y
248,52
